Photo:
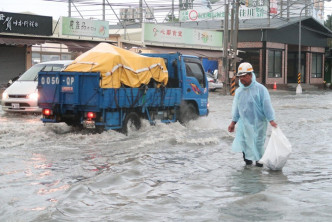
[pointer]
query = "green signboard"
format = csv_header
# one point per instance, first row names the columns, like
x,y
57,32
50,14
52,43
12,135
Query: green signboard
x,y
185,36
84,27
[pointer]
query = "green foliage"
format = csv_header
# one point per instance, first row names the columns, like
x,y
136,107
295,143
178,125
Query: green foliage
x,y
328,24
171,18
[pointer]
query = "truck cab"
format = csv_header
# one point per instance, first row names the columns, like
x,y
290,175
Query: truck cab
x,y
186,72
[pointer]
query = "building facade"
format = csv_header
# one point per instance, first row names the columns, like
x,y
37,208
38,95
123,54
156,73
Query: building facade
x,y
274,50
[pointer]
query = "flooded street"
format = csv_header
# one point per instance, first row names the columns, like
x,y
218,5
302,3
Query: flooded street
x,y
167,172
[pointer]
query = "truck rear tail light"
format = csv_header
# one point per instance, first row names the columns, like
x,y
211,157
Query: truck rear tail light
x,y
91,115
47,112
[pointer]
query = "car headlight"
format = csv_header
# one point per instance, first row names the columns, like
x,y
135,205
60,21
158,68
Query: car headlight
x,y
4,95
33,96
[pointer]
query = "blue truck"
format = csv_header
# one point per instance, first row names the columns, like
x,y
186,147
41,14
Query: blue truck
x,y
77,99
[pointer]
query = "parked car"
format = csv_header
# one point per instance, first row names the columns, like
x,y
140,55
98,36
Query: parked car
x,y
11,81
22,94
214,83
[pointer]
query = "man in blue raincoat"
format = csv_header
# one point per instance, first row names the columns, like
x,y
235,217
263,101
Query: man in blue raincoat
x,y
251,111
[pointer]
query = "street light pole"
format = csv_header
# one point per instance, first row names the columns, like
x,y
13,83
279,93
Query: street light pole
x,y
299,88
299,76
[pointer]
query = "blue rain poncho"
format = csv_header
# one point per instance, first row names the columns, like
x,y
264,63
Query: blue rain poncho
x,y
252,110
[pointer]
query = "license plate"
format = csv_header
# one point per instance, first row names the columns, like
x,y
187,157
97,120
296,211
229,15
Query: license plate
x,y
15,105
89,124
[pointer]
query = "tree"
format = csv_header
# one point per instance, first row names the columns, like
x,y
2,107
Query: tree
x,y
328,24
171,18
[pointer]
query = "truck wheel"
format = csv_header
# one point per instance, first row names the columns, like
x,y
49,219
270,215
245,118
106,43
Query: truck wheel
x,y
187,112
131,123
99,129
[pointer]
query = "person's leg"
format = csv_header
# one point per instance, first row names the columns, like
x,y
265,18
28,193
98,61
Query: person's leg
x,y
248,162
259,164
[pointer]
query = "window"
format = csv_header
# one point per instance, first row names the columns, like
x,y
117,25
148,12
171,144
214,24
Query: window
x,y
194,69
317,65
35,58
50,57
65,57
251,56
275,63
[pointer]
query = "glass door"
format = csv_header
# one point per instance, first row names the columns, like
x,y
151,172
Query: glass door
x,y
292,67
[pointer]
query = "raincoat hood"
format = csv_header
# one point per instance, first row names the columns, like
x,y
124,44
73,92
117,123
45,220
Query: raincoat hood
x,y
253,80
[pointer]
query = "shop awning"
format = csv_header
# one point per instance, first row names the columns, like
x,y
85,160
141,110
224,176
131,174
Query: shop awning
x,y
73,45
78,46
20,41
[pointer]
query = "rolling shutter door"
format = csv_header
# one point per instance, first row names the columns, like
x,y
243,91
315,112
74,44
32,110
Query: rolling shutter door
x,y
12,60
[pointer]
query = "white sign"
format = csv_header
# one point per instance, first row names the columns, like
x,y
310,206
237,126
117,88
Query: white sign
x,y
219,13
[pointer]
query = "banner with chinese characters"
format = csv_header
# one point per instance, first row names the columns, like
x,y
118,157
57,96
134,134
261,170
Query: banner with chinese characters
x,y
155,33
25,24
203,10
84,27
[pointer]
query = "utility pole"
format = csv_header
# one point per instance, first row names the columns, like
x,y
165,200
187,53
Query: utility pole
x,y
235,37
69,8
140,12
231,35
288,5
225,48
172,10
104,16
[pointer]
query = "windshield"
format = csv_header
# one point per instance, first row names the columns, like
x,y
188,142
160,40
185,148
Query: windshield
x,y
32,73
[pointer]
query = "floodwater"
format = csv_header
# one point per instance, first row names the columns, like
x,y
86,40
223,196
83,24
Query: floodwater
x,y
167,172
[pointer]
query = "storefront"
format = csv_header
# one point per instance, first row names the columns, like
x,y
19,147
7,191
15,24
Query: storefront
x,y
29,39
274,51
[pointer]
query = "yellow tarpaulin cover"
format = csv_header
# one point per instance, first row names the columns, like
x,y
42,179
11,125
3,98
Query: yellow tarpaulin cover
x,y
119,66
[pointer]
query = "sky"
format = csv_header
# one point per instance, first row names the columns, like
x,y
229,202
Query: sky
x,y
35,6
57,9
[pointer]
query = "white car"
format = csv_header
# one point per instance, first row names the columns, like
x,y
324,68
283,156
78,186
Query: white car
x,y
214,83
22,95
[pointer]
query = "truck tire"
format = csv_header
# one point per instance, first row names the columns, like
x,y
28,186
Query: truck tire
x,y
132,122
76,125
99,129
187,112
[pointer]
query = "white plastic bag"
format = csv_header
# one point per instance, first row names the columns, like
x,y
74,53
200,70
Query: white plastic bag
x,y
277,151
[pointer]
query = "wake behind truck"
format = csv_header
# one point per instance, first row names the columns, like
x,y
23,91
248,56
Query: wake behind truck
x,y
88,99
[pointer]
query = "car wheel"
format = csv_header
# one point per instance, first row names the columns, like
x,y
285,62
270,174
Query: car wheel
x,y
131,123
